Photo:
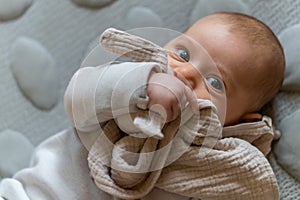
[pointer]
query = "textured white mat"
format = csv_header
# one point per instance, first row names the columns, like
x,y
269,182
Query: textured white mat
x,y
67,30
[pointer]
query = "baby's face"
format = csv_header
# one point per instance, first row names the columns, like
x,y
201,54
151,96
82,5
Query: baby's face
x,y
227,75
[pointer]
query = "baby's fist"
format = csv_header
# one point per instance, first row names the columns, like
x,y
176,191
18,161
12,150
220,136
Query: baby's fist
x,y
168,95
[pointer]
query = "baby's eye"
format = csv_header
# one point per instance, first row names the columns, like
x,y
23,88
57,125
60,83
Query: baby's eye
x,y
184,54
215,83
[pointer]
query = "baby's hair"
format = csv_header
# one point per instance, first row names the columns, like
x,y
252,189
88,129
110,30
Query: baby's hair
x,y
260,37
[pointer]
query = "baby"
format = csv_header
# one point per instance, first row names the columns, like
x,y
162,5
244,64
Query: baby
x,y
250,66
249,69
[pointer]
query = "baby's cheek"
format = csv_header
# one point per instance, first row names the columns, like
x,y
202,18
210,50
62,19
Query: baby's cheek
x,y
201,91
217,98
202,95
221,105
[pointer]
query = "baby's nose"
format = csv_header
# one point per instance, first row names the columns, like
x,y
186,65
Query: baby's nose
x,y
185,70
185,75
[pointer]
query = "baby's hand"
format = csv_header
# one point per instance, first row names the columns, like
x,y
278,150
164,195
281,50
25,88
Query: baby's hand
x,y
169,96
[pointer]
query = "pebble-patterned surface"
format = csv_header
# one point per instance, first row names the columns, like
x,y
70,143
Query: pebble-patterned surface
x,y
203,8
11,9
93,3
20,151
35,72
289,39
142,17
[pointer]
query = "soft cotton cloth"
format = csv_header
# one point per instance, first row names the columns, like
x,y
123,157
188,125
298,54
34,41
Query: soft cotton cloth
x,y
232,165
232,169
58,171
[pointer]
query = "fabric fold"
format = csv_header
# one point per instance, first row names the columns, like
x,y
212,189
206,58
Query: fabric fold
x,y
129,167
132,47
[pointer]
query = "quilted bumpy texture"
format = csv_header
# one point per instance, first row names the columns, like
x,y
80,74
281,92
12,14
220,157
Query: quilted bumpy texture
x,y
280,15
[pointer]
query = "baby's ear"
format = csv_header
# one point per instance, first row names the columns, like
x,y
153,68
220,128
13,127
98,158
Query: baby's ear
x,y
251,117
290,41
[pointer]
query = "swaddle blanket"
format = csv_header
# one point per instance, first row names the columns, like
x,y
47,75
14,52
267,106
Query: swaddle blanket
x,y
195,157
